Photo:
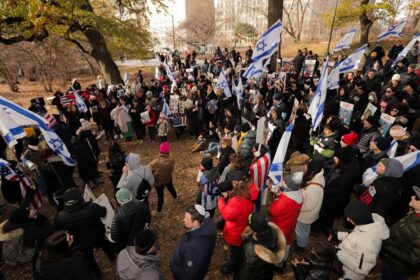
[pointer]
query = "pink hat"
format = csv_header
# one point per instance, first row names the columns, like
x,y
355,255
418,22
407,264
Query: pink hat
x,y
165,148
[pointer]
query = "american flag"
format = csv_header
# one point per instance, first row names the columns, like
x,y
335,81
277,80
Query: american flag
x,y
281,82
259,170
51,120
14,174
65,101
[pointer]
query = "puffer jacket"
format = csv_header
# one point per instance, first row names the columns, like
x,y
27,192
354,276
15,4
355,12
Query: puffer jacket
x,y
82,220
247,141
115,167
258,261
162,168
128,221
402,248
366,136
359,249
235,212
313,194
131,265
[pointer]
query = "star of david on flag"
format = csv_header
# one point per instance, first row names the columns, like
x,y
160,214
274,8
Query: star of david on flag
x,y
394,30
81,106
268,43
352,62
345,42
222,83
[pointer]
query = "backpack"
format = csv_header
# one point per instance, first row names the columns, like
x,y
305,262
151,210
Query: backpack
x,y
144,188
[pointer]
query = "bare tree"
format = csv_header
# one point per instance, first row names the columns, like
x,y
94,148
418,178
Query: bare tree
x,y
295,16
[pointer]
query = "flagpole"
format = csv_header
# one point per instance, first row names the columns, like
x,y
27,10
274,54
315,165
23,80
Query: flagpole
x,y
332,27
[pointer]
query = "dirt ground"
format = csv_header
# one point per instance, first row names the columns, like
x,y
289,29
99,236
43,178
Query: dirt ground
x,y
168,224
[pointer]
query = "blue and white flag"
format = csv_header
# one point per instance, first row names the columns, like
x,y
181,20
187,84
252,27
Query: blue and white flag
x,y
268,43
407,48
333,81
25,117
276,168
238,91
352,62
171,75
126,77
222,83
408,162
165,109
316,109
81,105
345,42
253,70
392,149
394,30
10,129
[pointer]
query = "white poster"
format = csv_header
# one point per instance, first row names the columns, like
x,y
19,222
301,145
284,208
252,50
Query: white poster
x,y
103,200
369,111
260,131
346,111
145,118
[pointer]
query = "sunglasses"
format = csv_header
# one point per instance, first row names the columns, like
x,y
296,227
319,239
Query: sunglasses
x,y
388,91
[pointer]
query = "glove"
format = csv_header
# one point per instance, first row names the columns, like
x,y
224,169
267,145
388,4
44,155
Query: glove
x,y
318,148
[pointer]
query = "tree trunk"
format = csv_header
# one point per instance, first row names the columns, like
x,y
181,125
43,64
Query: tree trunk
x,y
275,12
365,24
107,67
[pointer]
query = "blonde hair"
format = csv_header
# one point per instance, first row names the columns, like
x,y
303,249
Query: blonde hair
x,y
227,141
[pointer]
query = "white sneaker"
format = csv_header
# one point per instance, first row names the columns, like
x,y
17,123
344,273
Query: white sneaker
x,y
218,155
115,137
121,136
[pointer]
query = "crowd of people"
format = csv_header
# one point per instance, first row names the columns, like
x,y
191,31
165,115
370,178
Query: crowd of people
x,y
346,197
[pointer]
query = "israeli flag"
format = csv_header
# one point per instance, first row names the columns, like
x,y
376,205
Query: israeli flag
x,y
345,42
316,109
352,62
334,78
222,83
276,168
81,106
394,30
407,48
238,90
25,117
253,70
165,109
393,149
10,129
268,43
171,75
408,161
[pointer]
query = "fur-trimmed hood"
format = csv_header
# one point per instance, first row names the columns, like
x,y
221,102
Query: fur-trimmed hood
x,y
266,254
5,236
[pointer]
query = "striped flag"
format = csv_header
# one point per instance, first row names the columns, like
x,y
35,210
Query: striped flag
x,y
81,105
276,168
407,48
222,83
345,42
394,30
14,174
259,174
408,161
316,109
392,149
165,109
10,129
51,120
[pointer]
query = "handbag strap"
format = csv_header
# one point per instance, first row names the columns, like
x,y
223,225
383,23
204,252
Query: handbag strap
x,y
314,183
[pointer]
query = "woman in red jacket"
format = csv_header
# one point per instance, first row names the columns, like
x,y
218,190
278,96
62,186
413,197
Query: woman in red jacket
x,y
151,124
235,208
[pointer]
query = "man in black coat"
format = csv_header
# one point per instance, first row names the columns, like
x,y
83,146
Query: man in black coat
x,y
82,220
193,252
130,219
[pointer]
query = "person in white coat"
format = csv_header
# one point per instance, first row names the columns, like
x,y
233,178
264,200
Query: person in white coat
x,y
359,249
313,193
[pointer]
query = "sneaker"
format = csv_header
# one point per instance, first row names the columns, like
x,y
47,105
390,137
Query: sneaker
x,y
218,155
121,136
115,137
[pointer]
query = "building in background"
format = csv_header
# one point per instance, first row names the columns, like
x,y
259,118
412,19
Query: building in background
x,y
164,25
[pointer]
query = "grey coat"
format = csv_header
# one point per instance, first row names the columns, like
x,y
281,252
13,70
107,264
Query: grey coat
x,y
133,266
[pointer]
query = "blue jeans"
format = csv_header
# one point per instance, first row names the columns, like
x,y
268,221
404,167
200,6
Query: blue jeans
x,y
388,273
302,234
213,148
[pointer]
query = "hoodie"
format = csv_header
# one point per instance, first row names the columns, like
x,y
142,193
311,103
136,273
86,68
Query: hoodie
x,y
131,265
359,249
137,172
385,192
209,186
